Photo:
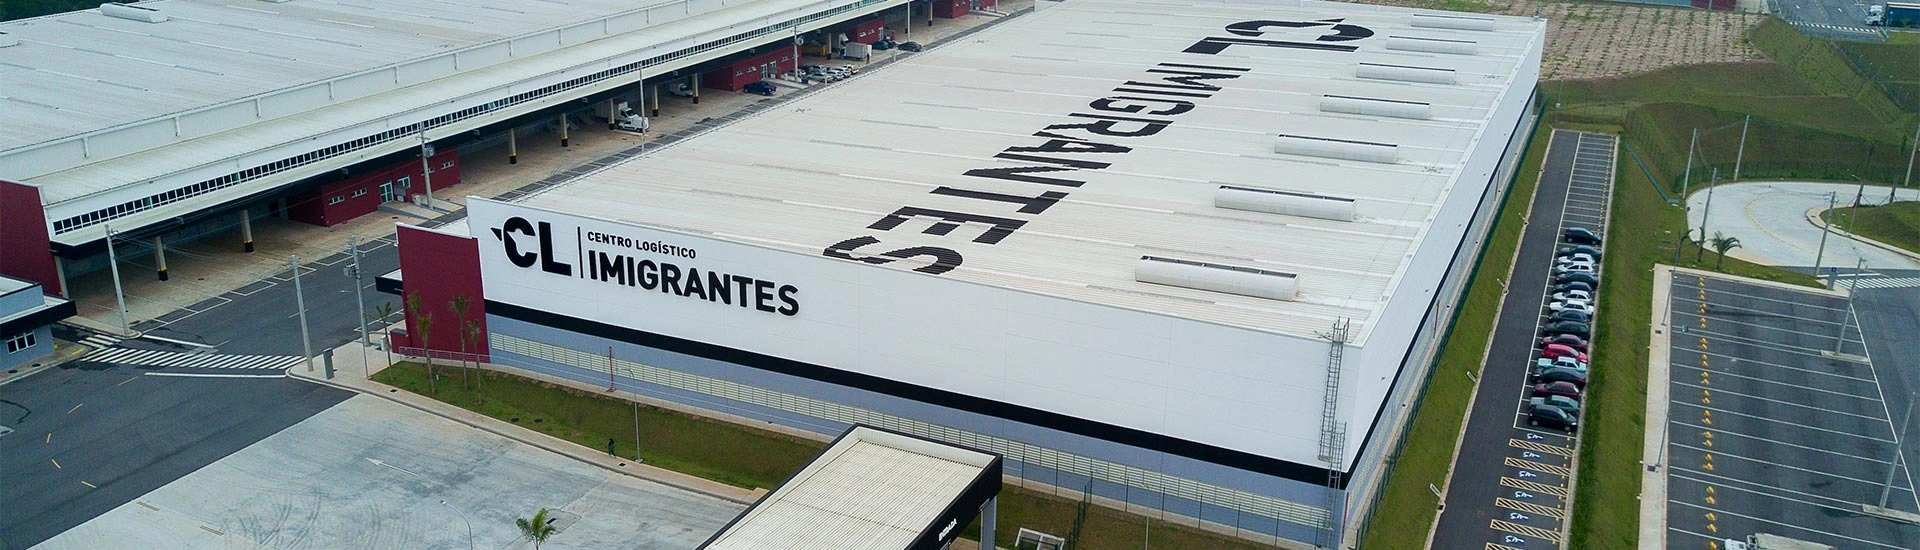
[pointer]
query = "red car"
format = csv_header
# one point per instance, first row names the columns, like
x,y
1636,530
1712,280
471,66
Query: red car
x,y
1556,351
1567,340
1567,389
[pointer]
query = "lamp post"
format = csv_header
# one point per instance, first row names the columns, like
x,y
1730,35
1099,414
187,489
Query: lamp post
x,y
119,297
1826,226
300,301
353,246
463,518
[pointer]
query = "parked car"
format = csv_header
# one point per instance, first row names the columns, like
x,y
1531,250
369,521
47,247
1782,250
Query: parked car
x,y
1573,295
761,87
1564,314
1551,417
1561,350
1567,327
1563,389
680,89
1573,285
1576,258
1561,402
1545,364
1577,377
1567,340
1581,249
1573,268
1581,306
909,46
1589,278
1580,235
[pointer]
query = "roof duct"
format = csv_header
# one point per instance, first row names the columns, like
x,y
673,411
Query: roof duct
x,y
1404,73
1431,45
1375,106
1454,22
1275,201
132,12
1230,279
1368,151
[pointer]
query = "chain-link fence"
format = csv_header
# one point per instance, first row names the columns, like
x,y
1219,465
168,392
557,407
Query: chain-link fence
x,y
1662,135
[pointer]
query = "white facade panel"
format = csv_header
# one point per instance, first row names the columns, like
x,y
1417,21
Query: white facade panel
x,y
39,160
363,84
295,101
483,56
129,139
1127,368
217,119
426,70
536,44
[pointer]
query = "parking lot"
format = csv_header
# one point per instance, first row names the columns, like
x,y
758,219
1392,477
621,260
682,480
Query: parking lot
x,y
1769,430
1836,19
1511,487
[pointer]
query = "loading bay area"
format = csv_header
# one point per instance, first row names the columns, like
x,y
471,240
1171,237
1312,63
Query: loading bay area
x,y
1781,417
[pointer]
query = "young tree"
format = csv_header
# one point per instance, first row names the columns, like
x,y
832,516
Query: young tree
x,y
459,305
536,529
1721,244
426,331
472,332
379,316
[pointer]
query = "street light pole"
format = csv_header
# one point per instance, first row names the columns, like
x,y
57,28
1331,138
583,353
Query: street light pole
x,y
426,172
353,246
1743,148
1826,220
1898,438
1705,211
1852,285
1687,179
300,301
119,297
463,518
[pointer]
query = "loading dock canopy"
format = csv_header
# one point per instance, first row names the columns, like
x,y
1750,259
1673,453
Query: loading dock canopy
x,y
871,489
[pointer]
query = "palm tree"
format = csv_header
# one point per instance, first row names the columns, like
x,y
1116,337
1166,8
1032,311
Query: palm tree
x,y
424,322
380,315
536,529
1721,244
459,304
472,333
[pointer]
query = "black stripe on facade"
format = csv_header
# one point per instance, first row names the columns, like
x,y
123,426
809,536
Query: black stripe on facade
x,y
1027,415
40,318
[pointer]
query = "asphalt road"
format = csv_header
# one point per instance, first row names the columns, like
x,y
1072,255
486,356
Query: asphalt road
x,y
259,318
91,437
1769,433
1509,486
1842,19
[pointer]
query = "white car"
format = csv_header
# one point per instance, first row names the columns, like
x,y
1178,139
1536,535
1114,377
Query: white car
x,y
1575,258
1582,306
1573,296
1573,268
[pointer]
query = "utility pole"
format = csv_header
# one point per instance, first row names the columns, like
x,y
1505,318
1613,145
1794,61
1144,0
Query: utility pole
x,y
1826,226
1915,148
1852,285
353,246
1898,458
1704,211
300,301
1687,179
426,172
119,296
1737,157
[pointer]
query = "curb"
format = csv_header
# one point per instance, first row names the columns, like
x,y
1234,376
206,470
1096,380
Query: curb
x,y
1813,217
536,444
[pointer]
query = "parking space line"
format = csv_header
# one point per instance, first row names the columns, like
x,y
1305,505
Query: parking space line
x,y
1725,481
1758,438
1716,305
1525,530
1719,454
1763,344
1779,366
1540,488
1769,299
1777,421
1786,525
1773,328
1730,374
1530,508
1855,508
1542,447
1540,466
1789,403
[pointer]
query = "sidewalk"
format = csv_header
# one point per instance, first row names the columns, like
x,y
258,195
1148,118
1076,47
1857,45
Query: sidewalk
x,y
352,374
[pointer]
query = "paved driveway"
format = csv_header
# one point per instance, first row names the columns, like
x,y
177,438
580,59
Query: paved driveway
x,y
1771,221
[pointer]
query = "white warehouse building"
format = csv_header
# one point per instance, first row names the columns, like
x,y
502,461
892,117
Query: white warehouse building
x,y
1196,256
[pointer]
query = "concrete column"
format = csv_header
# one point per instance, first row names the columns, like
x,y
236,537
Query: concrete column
x,y
988,516
611,125
563,130
246,230
60,272
696,89
653,95
513,146
160,257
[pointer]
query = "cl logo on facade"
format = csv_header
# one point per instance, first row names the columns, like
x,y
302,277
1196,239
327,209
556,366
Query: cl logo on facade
x,y
1340,33
523,258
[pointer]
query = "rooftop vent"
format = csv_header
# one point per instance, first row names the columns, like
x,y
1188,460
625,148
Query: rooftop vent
x,y
132,12
1230,279
1368,151
8,40
1404,73
1375,106
1275,201
1431,45
1454,22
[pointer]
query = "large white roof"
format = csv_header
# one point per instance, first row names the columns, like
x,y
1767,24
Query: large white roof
x,y
821,169
79,72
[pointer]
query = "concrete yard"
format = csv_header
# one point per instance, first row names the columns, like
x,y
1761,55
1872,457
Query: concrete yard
x,y
1771,221
1769,431
370,473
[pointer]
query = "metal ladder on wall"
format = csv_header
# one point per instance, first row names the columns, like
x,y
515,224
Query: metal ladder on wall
x,y
1333,432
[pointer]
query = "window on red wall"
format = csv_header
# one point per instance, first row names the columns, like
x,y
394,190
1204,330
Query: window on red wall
x,y
336,199
361,192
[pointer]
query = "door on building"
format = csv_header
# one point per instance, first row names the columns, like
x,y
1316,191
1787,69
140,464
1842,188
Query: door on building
x,y
387,192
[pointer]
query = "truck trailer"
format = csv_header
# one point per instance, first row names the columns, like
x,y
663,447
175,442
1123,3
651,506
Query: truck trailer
x,y
620,117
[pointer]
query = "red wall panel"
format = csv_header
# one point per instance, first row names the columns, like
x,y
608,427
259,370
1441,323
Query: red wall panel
x,y
436,267
950,9
867,32
312,206
25,250
736,75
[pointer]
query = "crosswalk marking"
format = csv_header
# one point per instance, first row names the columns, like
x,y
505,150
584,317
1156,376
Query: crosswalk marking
x,y
1883,282
100,341
1841,28
127,356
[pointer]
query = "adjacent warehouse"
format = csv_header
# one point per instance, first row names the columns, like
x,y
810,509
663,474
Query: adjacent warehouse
x,y
1193,256
166,120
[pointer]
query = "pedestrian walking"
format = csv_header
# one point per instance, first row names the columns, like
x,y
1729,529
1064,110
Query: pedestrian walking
x,y
610,446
